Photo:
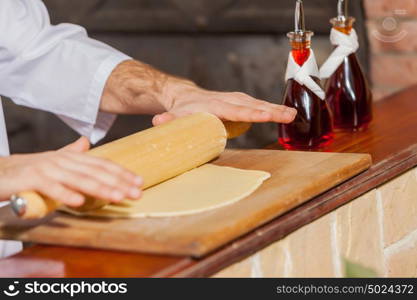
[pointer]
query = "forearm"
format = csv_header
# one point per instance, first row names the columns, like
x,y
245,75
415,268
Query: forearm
x,y
138,88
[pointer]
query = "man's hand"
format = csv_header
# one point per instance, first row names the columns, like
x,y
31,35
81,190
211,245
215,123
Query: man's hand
x,y
189,98
66,175
137,88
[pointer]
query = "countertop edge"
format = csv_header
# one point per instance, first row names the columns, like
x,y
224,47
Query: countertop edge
x,y
319,206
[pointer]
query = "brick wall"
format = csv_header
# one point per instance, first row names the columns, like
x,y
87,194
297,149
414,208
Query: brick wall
x,y
377,230
392,31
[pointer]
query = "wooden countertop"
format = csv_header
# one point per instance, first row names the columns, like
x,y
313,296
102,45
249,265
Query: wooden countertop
x,y
391,140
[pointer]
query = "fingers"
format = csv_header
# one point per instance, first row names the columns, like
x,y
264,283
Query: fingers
x,y
229,106
235,112
162,118
66,175
105,166
243,99
90,184
93,176
102,167
279,113
59,192
106,172
80,145
223,110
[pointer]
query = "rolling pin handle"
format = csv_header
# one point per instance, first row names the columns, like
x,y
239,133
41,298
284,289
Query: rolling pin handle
x,y
31,205
18,205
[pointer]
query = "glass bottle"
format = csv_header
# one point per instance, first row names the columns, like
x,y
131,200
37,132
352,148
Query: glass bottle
x,y
312,127
347,91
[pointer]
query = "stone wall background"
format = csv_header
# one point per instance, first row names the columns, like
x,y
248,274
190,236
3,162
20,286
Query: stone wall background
x,y
229,45
378,230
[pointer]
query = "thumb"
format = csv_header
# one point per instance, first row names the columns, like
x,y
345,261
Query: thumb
x,y
80,145
162,118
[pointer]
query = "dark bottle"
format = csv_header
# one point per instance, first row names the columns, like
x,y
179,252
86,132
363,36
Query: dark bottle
x,y
312,127
347,91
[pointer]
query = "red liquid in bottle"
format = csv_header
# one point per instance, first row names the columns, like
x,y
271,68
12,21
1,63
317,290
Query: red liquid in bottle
x,y
312,127
348,94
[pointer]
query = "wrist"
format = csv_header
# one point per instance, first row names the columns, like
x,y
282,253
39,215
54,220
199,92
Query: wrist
x,y
135,87
117,93
174,89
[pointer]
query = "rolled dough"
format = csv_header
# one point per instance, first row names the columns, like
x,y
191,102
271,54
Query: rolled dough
x,y
201,189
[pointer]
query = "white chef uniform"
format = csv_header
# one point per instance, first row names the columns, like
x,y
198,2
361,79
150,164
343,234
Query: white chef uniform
x,y
52,68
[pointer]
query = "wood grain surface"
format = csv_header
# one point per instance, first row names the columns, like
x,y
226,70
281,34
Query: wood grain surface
x,y
391,140
295,178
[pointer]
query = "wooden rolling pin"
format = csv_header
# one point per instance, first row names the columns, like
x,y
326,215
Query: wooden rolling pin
x,y
156,154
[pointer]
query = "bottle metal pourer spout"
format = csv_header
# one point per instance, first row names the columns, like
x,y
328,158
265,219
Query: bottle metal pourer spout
x,y
343,22
342,10
300,34
300,26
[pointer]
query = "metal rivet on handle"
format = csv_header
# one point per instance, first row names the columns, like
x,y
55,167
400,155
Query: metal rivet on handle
x,y
18,205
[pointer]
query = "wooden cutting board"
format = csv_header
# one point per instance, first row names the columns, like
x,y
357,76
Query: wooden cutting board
x,y
296,178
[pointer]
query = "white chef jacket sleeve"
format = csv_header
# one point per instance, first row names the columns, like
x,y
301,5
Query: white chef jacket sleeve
x,y
56,68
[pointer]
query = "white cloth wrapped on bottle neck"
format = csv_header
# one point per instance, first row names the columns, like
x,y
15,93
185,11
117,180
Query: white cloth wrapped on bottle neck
x,y
303,74
346,45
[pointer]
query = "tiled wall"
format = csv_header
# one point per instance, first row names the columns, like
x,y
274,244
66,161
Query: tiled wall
x,y
392,34
377,230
